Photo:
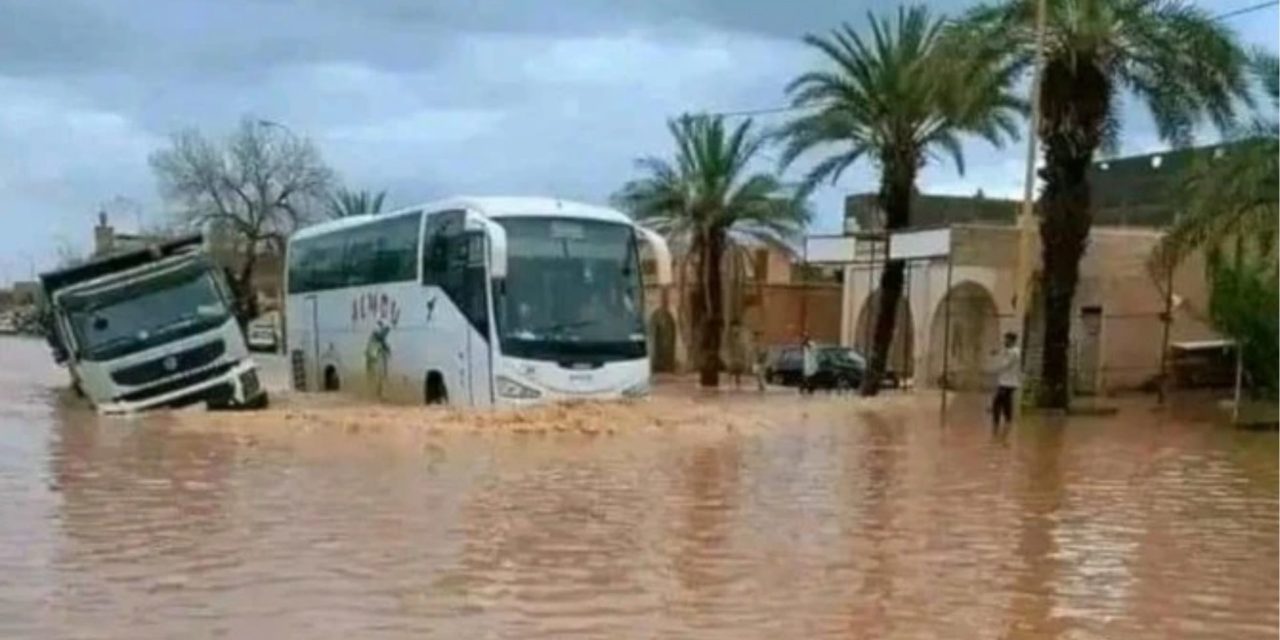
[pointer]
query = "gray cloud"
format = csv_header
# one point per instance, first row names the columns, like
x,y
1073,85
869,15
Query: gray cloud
x,y
423,98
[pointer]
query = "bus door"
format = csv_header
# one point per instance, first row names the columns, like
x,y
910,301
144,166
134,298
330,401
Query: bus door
x,y
306,358
475,293
458,343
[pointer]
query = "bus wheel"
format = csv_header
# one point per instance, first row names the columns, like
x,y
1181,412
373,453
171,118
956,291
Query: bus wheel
x,y
331,382
434,391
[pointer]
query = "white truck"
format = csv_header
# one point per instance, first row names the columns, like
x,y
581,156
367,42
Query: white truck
x,y
150,328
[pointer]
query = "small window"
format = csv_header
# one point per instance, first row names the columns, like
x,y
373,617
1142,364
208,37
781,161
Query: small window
x,y
395,256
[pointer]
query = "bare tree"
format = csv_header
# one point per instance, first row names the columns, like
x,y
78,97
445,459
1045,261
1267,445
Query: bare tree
x,y
258,184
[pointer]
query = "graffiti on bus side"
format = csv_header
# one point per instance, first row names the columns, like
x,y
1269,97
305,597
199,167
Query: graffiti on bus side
x,y
384,313
374,307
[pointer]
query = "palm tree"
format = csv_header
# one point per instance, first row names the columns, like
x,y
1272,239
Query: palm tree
x,y
703,198
344,203
1169,54
894,100
1233,198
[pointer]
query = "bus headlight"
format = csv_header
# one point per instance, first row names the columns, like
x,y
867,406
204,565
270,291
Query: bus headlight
x,y
636,390
509,388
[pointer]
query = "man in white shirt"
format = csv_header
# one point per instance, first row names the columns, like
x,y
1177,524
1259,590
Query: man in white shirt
x,y
809,365
1008,379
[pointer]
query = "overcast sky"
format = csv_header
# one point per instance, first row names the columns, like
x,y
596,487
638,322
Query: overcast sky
x,y
423,98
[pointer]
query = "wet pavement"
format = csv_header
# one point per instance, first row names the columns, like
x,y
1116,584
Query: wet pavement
x,y
826,525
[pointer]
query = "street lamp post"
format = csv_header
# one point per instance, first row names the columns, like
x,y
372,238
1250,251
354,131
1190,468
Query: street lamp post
x,y
1026,216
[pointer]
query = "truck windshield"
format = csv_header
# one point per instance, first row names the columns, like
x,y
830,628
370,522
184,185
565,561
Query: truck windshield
x,y
572,291
143,313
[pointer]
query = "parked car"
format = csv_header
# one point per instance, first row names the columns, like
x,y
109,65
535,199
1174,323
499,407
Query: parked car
x,y
263,336
838,367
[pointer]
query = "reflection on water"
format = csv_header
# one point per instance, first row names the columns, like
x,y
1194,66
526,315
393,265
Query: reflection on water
x,y
871,526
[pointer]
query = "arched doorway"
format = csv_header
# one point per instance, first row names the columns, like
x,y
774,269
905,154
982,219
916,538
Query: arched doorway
x,y
662,341
902,347
975,333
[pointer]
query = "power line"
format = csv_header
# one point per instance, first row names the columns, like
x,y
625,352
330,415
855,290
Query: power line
x,y
764,111
747,113
1249,9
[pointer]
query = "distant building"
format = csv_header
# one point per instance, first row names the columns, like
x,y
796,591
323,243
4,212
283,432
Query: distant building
x,y
862,211
767,290
1145,190
1134,191
19,294
107,241
1118,325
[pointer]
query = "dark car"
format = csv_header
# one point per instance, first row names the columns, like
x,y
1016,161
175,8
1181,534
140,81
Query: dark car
x,y
838,367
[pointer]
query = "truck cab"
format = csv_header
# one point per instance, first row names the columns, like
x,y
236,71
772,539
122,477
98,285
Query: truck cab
x,y
151,328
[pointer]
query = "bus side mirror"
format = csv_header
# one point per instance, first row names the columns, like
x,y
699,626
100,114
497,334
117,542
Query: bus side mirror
x,y
661,253
497,235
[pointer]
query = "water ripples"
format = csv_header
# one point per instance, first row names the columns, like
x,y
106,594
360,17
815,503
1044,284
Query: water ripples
x,y
876,527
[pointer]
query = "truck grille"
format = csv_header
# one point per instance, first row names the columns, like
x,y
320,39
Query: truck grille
x,y
157,369
177,383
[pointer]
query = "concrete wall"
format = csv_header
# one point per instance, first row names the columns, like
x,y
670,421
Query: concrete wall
x,y
781,313
1115,281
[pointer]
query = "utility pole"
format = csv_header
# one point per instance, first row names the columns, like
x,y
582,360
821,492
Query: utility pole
x,y
1026,217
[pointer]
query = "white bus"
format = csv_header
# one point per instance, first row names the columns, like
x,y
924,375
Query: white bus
x,y
473,302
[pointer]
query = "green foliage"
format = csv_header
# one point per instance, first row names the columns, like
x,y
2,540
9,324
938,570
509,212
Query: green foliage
x,y
1186,67
704,198
1170,54
708,187
1236,195
896,99
1232,209
344,203
1244,304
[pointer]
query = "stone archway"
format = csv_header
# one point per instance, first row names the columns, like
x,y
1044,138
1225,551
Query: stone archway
x,y
902,348
975,334
662,341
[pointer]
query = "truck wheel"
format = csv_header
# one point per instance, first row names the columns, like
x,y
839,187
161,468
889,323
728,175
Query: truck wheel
x,y
434,390
260,401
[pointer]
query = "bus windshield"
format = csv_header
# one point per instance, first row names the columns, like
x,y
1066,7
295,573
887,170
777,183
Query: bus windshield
x,y
572,291
143,313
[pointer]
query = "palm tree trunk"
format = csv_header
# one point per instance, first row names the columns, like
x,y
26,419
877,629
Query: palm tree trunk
x,y
892,280
1076,100
897,183
713,314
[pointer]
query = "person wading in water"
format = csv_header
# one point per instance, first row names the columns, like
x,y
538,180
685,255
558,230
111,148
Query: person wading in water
x,y
1008,368
809,366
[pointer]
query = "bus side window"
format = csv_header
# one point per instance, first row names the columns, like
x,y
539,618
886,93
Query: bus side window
x,y
359,255
436,247
472,277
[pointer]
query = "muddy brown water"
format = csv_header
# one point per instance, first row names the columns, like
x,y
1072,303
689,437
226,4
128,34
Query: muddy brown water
x,y
880,524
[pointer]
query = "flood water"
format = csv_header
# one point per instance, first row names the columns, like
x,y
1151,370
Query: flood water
x,y
1137,526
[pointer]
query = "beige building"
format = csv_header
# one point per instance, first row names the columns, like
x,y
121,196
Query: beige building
x,y
1118,323
775,299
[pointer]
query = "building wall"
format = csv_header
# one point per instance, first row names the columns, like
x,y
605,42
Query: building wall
x,y
1114,279
779,313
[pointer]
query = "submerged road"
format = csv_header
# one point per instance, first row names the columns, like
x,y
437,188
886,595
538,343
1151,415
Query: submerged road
x,y
1136,526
